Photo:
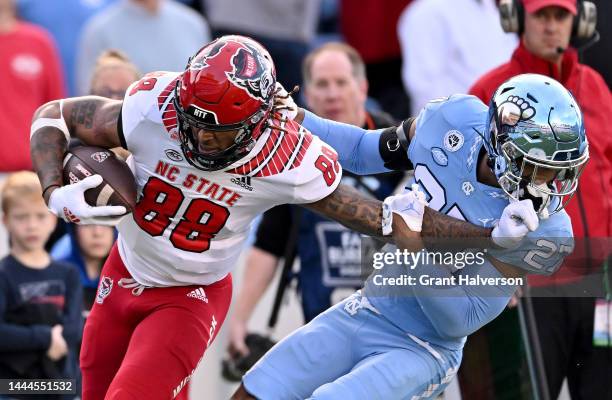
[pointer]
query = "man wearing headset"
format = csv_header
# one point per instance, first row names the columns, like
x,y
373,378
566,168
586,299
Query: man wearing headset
x,y
552,34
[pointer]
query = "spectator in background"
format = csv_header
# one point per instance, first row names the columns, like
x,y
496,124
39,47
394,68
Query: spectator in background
x,y
565,322
284,27
40,299
64,19
335,87
445,49
86,246
112,75
379,47
31,75
157,35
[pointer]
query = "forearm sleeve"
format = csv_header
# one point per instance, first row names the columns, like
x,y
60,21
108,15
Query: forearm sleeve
x,y
358,149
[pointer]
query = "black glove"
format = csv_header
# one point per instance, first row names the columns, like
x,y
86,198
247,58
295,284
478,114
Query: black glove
x,y
234,368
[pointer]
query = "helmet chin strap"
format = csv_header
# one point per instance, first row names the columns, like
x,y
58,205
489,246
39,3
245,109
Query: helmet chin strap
x,y
499,166
540,200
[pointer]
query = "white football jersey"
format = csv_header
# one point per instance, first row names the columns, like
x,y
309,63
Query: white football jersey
x,y
189,225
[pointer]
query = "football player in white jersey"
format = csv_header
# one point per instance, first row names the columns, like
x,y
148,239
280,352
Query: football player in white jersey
x,y
210,152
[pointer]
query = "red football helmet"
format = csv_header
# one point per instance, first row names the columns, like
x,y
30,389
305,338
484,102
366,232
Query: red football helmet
x,y
228,85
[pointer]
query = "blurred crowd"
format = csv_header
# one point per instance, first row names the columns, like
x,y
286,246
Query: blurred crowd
x,y
369,63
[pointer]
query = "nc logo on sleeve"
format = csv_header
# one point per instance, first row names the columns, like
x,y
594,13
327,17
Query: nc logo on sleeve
x,y
104,289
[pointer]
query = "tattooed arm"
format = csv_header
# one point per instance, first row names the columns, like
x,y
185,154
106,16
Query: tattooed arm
x,y
363,214
437,226
91,119
352,209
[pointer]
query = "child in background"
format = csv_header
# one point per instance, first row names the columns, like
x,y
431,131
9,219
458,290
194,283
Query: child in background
x,y
40,299
86,246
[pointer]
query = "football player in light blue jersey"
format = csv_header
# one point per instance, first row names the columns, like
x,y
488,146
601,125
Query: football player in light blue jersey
x,y
527,148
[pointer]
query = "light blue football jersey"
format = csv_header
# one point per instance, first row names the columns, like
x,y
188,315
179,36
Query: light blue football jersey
x,y
444,153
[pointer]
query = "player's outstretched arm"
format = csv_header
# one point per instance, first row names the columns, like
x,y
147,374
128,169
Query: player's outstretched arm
x,y
357,148
363,214
437,225
361,151
352,209
91,119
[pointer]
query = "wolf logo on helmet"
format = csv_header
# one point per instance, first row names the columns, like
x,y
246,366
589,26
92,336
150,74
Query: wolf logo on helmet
x,y
250,70
199,62
251,73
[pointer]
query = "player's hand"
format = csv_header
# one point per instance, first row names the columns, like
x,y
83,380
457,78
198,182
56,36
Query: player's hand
x,y
410,206
237,346
58,347
68,202
283,102
518,219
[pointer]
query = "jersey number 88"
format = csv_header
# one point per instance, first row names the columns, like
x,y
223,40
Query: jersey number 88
x,y
201,220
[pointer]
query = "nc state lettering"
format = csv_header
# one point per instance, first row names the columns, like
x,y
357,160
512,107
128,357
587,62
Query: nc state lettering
x,y
199,184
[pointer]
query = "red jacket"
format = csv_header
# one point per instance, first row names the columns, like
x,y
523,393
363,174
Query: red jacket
x,y
372,28
591,208
31,75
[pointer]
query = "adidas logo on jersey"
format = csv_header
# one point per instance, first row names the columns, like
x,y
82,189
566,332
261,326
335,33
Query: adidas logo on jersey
x,y
198,294
244,181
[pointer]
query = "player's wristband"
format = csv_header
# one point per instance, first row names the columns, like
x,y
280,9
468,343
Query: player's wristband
x,y
393,147
53,185
57,123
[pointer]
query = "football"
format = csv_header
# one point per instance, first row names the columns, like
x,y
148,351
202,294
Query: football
x,y
118,187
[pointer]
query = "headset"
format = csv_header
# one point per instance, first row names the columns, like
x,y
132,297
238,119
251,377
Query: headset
x,y
512,16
